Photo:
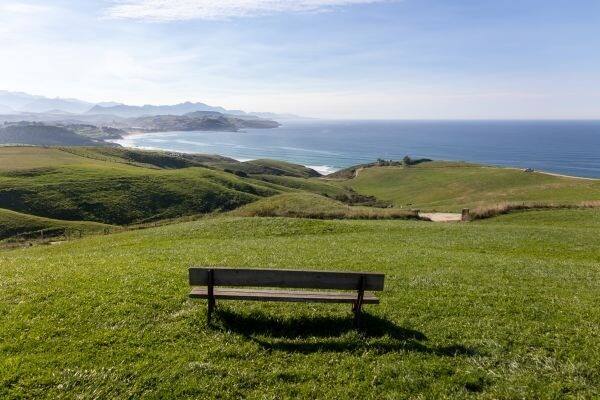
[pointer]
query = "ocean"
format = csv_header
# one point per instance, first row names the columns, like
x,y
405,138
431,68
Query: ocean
x,y
565,147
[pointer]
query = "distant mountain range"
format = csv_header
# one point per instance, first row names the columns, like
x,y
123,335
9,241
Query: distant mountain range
x,y
125,111
37,120
20,103
23,102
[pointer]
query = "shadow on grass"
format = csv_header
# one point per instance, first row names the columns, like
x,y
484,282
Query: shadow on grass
x,y
332,333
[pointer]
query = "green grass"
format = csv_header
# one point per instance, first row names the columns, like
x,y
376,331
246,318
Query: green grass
x,y
309,205
318,186
146,158
497,309
66,186
13,223
25,158
447,186
126,186
268,167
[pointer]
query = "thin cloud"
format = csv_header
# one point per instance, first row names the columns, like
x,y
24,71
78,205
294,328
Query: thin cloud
x,y
176,10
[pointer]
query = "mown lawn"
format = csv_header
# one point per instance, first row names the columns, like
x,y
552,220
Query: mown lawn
x,y
446,186
503,308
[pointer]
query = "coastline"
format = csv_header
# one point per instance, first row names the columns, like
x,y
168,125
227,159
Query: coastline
x,y
333,146
327,169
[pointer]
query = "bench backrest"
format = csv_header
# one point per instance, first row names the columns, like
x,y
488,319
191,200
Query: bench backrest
x,y
286,278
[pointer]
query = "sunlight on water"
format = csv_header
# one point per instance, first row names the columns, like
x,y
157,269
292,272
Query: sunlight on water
x,y
568,147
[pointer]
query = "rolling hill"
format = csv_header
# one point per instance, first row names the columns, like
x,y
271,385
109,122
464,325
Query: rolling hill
x,y
125,186
29,226
310,205
44,135
123,194
499,308
450,186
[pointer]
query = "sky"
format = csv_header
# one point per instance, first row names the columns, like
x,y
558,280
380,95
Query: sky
x,y
342,59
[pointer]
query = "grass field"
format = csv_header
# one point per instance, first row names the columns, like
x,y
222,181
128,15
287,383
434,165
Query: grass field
x,y
506,308
13,223
62,185
125,186
269,167
445,186
25,158
318,186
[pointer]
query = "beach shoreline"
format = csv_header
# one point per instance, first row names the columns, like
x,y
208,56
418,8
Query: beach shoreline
x,y
570,150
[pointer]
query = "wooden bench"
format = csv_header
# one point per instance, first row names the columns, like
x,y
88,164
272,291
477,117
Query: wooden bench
x,y
205,280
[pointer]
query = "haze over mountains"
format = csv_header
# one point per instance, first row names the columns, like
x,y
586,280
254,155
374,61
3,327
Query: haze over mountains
x,y
36,120
22,103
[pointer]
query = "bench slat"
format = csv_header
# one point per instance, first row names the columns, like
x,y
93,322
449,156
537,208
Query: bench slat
x,y
282,295
286,278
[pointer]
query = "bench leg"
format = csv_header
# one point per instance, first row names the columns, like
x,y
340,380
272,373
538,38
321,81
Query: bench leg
x,y
211,307
359,302
211,295
356,309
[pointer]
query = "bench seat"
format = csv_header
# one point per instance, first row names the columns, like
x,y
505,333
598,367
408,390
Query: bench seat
x,y
282,295
290,285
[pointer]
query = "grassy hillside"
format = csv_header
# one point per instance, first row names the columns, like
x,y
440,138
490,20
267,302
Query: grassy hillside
x,y
318,186
63,185
309,205
122,194
451,186
22,158
148,159
496,309
125,186
43,135
268,167
13,223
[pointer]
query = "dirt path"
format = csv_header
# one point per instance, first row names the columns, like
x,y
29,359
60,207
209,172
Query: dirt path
x,y
442,217
568,176
357,171
585,178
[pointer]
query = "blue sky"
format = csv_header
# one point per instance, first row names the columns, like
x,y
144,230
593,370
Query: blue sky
x,y
324,58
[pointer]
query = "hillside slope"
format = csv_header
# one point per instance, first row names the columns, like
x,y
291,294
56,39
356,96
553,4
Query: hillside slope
x,y
44,135
449,186
64,185
269,167
310,205
13,224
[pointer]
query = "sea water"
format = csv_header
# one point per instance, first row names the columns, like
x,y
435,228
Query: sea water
x,y
565,147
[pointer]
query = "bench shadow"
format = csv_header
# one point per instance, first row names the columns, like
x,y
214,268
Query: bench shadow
x,y
319,334
299,327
